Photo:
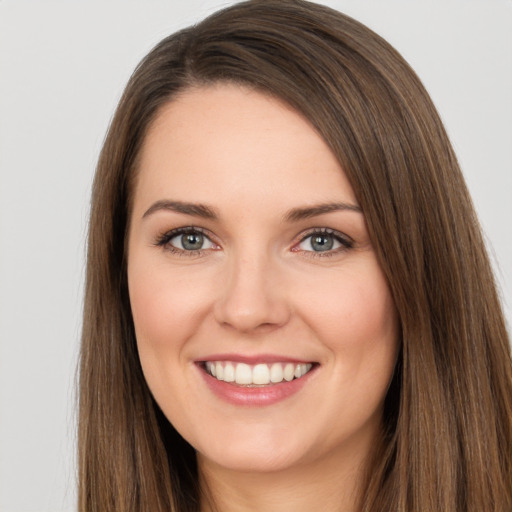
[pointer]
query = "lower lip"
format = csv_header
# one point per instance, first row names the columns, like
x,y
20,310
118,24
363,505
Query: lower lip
x,y
254,396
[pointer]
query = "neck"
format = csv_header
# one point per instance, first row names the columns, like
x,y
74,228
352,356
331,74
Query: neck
x,y
326,485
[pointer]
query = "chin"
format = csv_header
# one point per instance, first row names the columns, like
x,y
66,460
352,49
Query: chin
x,y
260,453
251,460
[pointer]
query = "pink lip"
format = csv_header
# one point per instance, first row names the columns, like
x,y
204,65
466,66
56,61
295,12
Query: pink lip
x,y
253,396
255,359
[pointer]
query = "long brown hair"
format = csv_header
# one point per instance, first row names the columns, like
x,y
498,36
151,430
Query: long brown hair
x,y
447,428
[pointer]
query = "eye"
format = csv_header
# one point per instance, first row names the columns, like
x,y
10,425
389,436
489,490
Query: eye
x,y
324,240
186,240
193,241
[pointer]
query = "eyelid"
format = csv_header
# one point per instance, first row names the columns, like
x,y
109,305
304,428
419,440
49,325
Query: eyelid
x,y
163,239
345,241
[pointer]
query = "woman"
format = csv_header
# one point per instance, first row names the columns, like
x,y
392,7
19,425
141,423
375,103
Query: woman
x,y
288,301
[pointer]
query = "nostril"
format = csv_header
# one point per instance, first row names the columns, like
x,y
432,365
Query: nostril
x,y
251,316
250,298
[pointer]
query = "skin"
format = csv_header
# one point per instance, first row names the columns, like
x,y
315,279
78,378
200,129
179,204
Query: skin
x,y
259,288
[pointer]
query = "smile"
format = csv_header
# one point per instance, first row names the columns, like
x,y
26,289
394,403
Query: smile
x,y
261,374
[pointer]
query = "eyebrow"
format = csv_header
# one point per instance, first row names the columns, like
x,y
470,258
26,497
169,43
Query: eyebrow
x,y
296,214
195,209
208,212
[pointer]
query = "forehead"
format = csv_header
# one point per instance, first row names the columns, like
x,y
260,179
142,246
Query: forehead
x,y
230,143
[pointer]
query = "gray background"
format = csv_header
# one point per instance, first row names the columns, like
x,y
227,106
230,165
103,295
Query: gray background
x,y
63,66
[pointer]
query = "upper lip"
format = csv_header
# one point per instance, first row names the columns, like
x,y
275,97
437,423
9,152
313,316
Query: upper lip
x,y
253,359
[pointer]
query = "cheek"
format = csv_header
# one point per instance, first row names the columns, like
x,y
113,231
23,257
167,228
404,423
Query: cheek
x,y
354,314
166,306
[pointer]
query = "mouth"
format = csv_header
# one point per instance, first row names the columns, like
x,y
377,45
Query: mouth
x,y
256,375
255,381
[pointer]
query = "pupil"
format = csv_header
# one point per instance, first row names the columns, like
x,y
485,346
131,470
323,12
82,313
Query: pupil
x,y
322,242
192,241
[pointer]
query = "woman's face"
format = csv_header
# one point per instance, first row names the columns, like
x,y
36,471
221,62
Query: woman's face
x,y
249,259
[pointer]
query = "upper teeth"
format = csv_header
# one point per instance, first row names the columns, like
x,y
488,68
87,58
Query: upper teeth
x,y
259,374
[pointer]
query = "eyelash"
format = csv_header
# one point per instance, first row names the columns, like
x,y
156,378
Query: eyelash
x,y
164,239
345,242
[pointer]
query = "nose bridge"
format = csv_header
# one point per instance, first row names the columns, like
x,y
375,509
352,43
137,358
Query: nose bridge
x,y
251,296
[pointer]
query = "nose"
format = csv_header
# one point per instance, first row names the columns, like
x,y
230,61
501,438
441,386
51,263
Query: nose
x,y
252,297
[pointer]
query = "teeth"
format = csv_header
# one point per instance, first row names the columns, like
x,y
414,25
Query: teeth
x,y
229,373
258,375
276,373
219,371
300,370
243,374
289,371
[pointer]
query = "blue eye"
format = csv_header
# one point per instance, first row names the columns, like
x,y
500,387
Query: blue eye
x,y
324,241
186,240
191,241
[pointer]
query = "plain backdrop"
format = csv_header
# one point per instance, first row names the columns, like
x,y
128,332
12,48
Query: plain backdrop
x,y
63,66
